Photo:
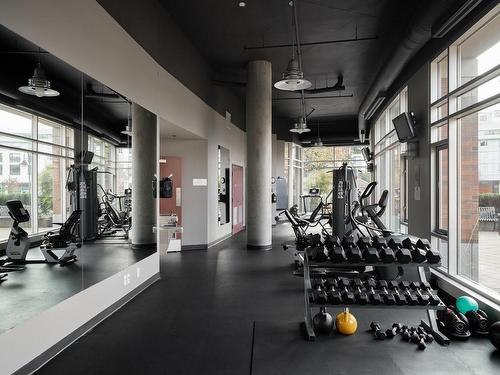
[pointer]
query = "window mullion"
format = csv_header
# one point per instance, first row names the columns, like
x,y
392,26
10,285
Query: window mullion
x,y
34,174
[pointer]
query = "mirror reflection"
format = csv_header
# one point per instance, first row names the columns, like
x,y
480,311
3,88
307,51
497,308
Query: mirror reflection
x,y
66,193
223,186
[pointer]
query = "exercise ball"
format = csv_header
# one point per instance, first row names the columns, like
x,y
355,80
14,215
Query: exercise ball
x,y
465,304
494,335
323,321
346,323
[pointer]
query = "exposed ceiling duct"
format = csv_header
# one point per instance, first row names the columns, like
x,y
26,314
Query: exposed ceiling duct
x,y
339,86
417,34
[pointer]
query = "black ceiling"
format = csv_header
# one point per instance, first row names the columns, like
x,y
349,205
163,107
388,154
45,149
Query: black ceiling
x,y
221,30
105,115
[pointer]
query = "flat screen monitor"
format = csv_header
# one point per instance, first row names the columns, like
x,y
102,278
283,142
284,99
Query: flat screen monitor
x,y
405,126
85,157
367,155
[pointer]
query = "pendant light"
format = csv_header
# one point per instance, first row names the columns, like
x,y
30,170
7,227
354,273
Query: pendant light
x,y
293,76
128,127
318,142
300,126
39,85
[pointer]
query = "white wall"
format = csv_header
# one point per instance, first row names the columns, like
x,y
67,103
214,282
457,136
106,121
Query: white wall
x,y
194,198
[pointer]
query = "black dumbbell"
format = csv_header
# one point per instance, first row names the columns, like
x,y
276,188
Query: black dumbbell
x,y
375,298
388,297
431,293
410,298
385,253
397,326
362,297
352,251
433,256
433,298
347,295
418,255
377,332
403,255
423,298
321,296
399,297
370,254
335,250
317,253
406,334
390,333
333,293
421,344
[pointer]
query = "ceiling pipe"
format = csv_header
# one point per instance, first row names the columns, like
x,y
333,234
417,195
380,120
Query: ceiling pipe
x,y
339,86
315,97
417,34
313,43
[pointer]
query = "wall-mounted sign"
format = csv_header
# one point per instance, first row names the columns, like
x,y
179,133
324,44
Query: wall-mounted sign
x,y
199,182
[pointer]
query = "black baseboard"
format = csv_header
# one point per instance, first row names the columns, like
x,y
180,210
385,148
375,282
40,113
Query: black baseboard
x,y
143,246
194,247
259,247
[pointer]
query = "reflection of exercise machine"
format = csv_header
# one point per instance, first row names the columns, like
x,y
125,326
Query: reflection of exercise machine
x,y
19,242
82,185
115,218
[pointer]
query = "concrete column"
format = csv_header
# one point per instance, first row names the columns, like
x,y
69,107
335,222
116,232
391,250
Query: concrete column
x,y
259,155
144,161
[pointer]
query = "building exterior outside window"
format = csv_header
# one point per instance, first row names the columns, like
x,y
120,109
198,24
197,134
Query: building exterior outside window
x,y
465,142
35,155
391,165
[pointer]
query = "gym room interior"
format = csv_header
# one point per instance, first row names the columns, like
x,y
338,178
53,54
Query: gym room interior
x,y
250,187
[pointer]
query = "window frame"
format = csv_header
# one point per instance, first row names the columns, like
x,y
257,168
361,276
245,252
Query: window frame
x,y
440,146
455,113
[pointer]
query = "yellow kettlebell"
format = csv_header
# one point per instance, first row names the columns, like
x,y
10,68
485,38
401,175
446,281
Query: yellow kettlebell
x,y
346,323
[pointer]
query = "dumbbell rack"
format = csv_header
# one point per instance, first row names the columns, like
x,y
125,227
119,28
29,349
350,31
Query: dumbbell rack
x,y
430,325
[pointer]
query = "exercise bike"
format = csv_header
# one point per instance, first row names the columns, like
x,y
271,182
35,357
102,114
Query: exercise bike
x,y
19,242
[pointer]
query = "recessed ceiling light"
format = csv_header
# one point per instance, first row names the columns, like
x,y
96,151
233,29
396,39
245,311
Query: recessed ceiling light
x,y
242,4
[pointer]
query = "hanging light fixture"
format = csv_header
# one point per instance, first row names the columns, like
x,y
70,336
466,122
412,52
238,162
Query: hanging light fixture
x,y
293,77
128,127
318,142
39,85
300,126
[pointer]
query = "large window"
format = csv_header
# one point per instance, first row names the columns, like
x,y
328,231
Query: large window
x,y
34,157
318,163
123,169
391,166
104,159
465,138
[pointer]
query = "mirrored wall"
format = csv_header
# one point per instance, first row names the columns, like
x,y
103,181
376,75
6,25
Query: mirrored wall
x,y
223,172
66,194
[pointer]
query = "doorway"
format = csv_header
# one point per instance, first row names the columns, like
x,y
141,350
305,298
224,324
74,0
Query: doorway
x,y
237,184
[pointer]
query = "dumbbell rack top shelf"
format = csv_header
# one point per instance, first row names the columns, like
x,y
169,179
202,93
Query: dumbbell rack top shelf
x,y
378,264
430,325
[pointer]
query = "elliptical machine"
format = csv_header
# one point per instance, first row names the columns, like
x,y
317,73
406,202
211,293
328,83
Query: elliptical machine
x,y
19,242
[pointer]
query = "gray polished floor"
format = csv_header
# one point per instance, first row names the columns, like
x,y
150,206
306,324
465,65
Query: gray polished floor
x,y
41,285
232,311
